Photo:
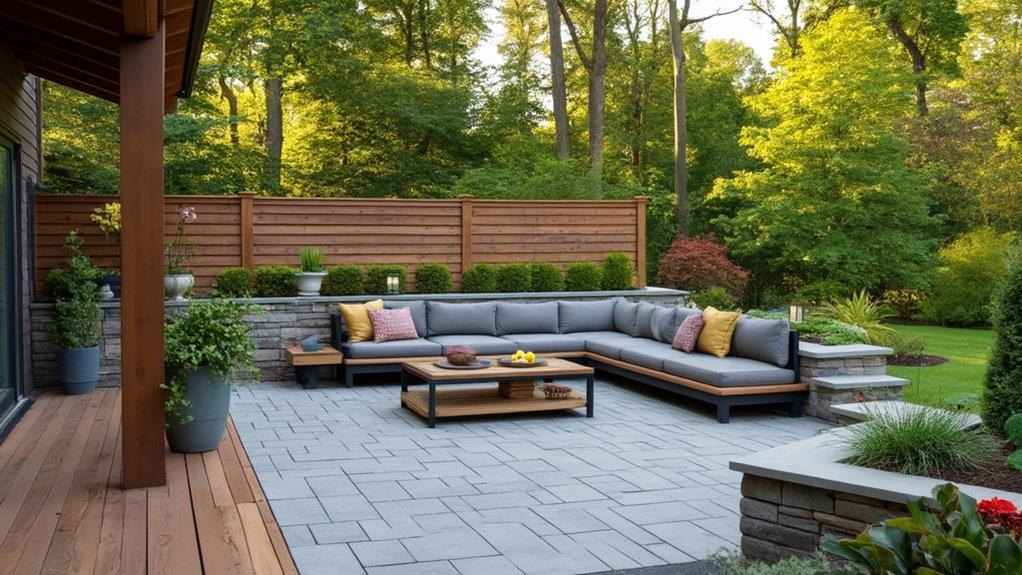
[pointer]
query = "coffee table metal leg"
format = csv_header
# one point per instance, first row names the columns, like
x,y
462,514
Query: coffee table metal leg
x,y
589,396
432,404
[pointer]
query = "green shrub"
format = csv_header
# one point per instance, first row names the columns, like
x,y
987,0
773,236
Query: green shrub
x,y
583,276
700,263
514,278
1002,394
963,289
732,563
819,292
617,272
1013,430
432,278
77,311
233,282
276,281
951,538
546,277
920,441
863,311
908,346
714,297
829,331
58,283
905,302
376,279
479,278
344,280
311,260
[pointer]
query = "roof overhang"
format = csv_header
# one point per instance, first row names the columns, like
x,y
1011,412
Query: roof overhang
x,y
77,42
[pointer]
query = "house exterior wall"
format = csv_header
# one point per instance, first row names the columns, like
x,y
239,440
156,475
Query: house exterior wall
x,y
19,106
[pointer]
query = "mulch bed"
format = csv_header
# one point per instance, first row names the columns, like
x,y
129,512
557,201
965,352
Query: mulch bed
x,y
995,475
917,360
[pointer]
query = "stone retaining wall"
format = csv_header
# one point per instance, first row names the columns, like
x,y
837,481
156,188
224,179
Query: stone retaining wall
x,y
285,321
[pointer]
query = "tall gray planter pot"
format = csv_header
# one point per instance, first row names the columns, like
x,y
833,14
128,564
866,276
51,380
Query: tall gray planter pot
x,y
210,398
78,369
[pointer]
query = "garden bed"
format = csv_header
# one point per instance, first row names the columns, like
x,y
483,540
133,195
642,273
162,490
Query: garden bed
x,y
916,360
995,475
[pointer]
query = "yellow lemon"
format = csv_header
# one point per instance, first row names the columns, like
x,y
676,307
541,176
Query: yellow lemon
x,y
530,357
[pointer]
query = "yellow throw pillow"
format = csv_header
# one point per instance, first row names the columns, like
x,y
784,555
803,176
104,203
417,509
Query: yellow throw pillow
x,y
718,327
356,318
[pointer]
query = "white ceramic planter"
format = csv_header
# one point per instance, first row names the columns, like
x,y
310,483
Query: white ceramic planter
x,y
175,287
309,283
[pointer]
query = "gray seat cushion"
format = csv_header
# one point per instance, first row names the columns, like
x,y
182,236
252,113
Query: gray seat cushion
x,y
728,371
576,316
418,309
762,339
644,320
398,348
546,342
483,344
624,316
526,317
586,335
461,318
613,346
649,354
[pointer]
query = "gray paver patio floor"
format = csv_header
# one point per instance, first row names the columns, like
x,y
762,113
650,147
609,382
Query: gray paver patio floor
x,y
360,485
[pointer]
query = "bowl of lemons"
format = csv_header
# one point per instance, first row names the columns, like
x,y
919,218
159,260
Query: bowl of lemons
x,y
522,358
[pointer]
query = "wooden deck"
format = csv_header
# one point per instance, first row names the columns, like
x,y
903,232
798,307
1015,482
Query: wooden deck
x,y
62,509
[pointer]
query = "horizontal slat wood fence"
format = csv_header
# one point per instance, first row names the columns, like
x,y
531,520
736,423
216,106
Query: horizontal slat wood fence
x,y
249,230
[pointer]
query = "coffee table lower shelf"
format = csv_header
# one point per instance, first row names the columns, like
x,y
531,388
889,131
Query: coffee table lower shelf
x,y
460,402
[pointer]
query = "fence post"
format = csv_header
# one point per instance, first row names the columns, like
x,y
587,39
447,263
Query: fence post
x,y
466,231
640,241
246,200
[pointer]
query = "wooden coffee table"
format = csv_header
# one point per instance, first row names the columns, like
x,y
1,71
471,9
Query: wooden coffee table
x,y
509,396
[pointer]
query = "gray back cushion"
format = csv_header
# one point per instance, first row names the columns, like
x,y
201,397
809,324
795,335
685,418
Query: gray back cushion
x,y
644,320
526,317
461,318
762,339
624,315
418,309
665,322
575,316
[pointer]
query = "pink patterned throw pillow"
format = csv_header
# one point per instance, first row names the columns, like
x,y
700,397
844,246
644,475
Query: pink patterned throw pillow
x,y
688,333
392,324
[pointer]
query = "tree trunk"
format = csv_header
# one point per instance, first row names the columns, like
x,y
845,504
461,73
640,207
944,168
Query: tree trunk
x,y
598,94
232,106
274,132
680,133
918,63
424,33
558,90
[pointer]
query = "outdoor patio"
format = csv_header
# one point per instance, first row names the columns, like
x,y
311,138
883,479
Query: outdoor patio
x,y
359,484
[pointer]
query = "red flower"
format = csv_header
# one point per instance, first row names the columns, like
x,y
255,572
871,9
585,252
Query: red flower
x,y
996,506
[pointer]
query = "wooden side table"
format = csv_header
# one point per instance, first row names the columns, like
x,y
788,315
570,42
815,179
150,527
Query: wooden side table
x,y
306,362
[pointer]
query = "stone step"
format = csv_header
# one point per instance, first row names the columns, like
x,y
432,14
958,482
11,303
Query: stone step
x,y
847,382
864,410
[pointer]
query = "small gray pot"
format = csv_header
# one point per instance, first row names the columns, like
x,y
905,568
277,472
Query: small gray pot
x,y
210,398
78,369
309,283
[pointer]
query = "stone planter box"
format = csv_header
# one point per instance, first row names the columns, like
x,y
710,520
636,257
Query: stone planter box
x,y
841,374
285,321
795,494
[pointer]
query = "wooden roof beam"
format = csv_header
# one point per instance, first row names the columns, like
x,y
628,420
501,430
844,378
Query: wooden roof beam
x,y
140,17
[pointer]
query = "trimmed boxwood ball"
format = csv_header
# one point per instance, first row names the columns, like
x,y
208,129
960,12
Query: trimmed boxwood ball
x,y
1002,395
546,277
617,272
233,282
514,278
432,278
376,279
276,281
479,278
583,276
343,280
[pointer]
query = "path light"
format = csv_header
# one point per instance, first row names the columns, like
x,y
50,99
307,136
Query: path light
x,y
796,313
393,283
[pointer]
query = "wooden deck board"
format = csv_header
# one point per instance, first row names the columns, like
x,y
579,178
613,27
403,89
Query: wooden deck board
x,y
62,508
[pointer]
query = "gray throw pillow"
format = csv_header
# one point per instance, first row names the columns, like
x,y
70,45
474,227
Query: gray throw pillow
x,y
644,320
576,316
418,309
762,339
526,317
624,315
665,323
461,318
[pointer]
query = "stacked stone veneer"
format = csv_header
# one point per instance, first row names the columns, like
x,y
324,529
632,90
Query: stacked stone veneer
x,y
283,322
780,519
843,374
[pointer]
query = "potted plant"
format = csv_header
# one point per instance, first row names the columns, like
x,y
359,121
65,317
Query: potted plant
x,y
108,218
312,272
177,279
205,348
76,330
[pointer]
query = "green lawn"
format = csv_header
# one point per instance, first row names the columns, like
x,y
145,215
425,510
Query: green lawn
x,y
967,351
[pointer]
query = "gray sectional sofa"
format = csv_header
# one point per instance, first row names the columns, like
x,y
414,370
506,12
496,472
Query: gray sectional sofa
x,y
632,340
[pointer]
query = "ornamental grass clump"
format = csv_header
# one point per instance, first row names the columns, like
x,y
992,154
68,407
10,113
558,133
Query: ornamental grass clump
x,y
863,311
311,260
920,441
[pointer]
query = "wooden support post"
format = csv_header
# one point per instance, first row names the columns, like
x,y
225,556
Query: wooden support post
x,y
466,231
640,241
141,107
247,229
